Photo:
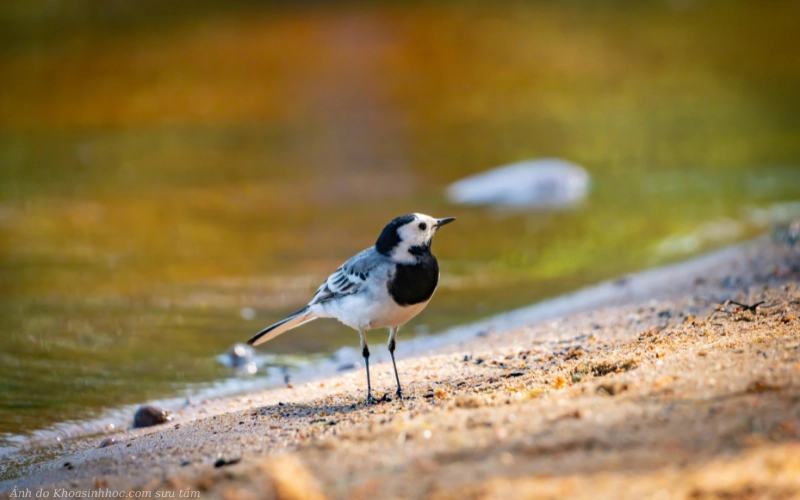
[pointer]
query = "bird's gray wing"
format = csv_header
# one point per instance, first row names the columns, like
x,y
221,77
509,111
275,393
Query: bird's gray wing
x,y
350,277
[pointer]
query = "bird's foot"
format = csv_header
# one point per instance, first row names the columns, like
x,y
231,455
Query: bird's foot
x,y
399,394
371,400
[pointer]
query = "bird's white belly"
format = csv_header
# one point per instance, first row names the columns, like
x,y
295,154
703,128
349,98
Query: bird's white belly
x,y
362,311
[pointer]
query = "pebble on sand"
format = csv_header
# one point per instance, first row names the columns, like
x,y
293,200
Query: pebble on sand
x,y
148,415
108,442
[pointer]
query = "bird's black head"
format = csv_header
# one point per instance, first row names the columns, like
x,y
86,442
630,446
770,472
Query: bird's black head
x,y
408,235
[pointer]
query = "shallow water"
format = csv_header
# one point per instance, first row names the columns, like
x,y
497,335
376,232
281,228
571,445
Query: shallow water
x,y
164,170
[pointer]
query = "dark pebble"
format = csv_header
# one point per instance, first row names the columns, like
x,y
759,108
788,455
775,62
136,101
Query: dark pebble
x,y
147,416
221,462
108,442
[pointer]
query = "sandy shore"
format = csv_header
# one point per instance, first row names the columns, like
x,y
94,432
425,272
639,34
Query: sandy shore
x,y
642,388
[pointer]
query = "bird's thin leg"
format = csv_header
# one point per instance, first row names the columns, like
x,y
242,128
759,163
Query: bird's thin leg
x,y
365,353
392,337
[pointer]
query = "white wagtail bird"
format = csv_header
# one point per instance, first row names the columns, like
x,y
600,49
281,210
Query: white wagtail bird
x,y
382,287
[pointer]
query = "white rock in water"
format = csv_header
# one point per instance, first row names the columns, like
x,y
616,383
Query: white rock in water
x,y
240,357
545,183
248,313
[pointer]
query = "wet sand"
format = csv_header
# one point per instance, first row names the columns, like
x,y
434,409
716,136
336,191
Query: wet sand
x,y
655,390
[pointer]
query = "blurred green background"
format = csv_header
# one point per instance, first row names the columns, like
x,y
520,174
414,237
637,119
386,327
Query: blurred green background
x,y
165,164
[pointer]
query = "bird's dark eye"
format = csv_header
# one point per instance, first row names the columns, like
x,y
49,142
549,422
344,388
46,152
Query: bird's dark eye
x,y
423,226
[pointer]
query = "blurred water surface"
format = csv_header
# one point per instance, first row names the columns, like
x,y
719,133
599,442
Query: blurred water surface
x,y
166,165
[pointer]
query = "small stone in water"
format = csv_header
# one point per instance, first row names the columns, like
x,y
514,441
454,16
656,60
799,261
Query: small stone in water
x,y
242,357
241,354
247,313
148,415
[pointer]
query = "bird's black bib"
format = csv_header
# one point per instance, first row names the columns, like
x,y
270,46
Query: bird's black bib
x,y
414,283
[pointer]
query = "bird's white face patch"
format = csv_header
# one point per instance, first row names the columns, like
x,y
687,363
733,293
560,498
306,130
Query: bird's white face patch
x,y
416,233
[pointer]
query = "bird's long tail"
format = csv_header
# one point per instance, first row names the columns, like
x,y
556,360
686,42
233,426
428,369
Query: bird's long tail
x,y
300,317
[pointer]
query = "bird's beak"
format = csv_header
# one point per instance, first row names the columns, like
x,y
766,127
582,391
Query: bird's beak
x,y
442,222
